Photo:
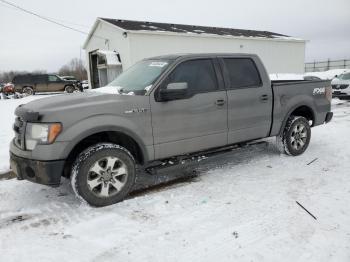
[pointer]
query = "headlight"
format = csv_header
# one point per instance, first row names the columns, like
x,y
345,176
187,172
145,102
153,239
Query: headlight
x,y
38,133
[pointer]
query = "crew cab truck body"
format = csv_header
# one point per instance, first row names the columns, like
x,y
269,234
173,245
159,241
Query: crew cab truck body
x,y
162,110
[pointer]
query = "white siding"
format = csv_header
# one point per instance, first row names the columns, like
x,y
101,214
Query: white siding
x,y
116,43
279,56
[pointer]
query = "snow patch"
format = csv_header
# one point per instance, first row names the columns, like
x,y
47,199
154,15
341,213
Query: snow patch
x,y
328,75
114,90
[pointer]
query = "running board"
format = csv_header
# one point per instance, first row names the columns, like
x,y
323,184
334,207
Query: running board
x,y
164,171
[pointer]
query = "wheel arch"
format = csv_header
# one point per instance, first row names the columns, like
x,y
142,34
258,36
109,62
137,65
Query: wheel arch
x,y
30,86
303,110
117,135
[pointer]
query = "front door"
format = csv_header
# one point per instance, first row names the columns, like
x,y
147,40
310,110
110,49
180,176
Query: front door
x,y
249,100
193,123
54,84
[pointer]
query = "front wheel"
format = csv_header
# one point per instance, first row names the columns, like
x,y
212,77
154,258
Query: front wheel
x,y
69,89
296,136
103,174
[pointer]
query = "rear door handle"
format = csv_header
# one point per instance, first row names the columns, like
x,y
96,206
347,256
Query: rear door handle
x,y
264,98
220,102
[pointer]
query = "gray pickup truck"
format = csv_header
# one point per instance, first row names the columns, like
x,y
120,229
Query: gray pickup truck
x,y
161,113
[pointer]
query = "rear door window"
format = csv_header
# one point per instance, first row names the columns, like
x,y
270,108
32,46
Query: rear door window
x,y
242,73
40,79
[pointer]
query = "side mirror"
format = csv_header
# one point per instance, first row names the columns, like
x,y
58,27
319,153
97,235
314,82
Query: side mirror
x,y
173,91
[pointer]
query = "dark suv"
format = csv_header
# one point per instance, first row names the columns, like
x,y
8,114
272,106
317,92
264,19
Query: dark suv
x,y
31,83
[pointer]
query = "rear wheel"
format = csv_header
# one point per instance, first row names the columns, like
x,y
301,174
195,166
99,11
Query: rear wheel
x,y
296,136
27,90
103,174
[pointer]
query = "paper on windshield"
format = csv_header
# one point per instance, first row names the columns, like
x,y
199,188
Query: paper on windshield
x,y
158,64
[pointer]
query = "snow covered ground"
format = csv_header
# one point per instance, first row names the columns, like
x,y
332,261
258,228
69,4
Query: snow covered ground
x,y
242,208
330,74
7,109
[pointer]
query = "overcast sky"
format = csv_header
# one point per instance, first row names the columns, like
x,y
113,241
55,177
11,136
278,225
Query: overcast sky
x,y
29,43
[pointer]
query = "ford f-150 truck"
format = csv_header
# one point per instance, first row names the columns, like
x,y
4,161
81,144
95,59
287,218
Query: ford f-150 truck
x,y
161,113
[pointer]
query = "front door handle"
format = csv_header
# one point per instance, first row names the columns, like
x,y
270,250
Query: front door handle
x,y
264,98
220,102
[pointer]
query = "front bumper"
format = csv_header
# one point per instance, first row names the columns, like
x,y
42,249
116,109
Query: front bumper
x,y
341,92
42,172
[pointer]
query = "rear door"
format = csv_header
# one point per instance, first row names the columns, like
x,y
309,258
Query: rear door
x,y
196,122
40,83
249,99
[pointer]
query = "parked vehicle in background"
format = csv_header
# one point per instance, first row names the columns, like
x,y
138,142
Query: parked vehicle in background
x,y
78,83
85,84
161,115
31,83
8,89
341,86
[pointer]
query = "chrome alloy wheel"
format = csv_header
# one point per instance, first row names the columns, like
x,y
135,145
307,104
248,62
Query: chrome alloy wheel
x,y
298,136
107,176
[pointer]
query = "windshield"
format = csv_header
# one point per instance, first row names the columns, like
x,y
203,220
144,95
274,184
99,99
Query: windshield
x,y
139,78
345,76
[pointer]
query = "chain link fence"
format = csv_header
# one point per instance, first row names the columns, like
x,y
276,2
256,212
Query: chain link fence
x,y
319,66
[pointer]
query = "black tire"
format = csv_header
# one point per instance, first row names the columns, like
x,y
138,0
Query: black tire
x,y
84,179
69,89
296,136
28,90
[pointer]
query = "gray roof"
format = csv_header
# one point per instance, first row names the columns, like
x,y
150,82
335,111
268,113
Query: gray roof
x,y
130,25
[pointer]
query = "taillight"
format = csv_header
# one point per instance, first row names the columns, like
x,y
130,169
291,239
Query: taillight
x,y
328,93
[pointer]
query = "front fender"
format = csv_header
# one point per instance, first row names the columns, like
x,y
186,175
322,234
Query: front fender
x,y
102,123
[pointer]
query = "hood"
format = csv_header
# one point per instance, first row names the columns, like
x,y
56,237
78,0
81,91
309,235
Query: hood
x,y
337,81
79,105
66,101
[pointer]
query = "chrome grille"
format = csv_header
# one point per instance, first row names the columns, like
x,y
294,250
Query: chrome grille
x,y
340,86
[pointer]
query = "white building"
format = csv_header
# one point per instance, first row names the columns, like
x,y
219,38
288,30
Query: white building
x,y
113,45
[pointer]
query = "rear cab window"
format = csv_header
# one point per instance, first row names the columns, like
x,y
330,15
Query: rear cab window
x,y
241,73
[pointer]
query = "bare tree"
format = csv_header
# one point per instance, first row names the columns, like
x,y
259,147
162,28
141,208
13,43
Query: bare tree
x,y
74,68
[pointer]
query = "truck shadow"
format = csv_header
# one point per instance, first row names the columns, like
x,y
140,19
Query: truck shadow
x,y
239,156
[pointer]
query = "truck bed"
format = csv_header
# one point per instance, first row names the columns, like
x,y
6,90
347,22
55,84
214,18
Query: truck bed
x,y
289,94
